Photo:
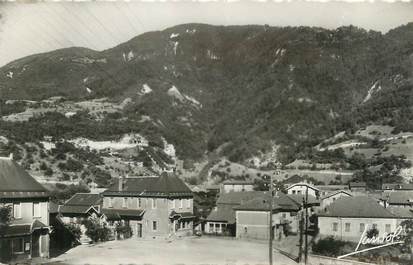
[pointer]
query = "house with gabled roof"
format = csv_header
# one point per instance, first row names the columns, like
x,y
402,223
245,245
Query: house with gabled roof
x,y
398,198
27,235
252,217
303,188
329,198
221,220
348,217
153,206
80,206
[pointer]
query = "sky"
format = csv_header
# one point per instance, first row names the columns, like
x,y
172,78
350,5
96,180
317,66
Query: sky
x,y
33,27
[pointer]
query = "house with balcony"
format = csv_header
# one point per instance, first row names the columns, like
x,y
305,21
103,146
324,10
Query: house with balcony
x,y
27,235
152,206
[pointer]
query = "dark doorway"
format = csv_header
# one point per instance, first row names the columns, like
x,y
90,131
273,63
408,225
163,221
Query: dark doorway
x,y
35,244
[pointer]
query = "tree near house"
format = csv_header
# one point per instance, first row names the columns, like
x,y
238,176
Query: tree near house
x,y
5,217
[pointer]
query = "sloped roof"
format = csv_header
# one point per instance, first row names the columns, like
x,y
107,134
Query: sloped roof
x,y
397,186
164,185
401,212
236,198
303,184
117,214
86,199
281,202
311,200
75,209
222,213
336,192
15,182
359,206
238,182
357,184
399,197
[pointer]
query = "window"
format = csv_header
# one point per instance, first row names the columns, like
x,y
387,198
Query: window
x,y
298,191
181,203
17,245
284,215
110,202
154,225
173,204
17,210
153,203
362,227
245,229
211,227
335,227
139,203
36,209
293,191
388,228
347,227
188,203
125,203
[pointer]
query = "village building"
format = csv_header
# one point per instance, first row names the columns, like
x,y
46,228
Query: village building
x,y
252,217
398,198
221,220
348,217
79,207
237,186
27,235
328,189
397,187
303,188
328,199
156,206
357,187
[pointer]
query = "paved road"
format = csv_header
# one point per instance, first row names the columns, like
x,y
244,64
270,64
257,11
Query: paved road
x,y
193,251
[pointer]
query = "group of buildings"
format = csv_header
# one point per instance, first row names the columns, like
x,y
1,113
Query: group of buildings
x,y
153,207
342,211
163,207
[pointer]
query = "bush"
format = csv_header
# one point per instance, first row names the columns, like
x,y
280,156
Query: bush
x,y
96,231
328,247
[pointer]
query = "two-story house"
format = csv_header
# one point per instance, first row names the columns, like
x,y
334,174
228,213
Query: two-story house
x,y
159,206
27,235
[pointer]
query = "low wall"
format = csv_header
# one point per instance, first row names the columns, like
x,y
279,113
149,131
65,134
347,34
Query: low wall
x,y
323,260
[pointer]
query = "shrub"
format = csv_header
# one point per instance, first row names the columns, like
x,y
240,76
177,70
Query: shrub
x,y
328,247
96,231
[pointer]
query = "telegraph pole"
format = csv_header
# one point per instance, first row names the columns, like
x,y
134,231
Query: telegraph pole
x,y
306,227
271,189
271,233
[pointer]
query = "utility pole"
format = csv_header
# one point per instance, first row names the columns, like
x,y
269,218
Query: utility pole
x,y
271,189
306,227
271,232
